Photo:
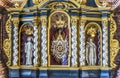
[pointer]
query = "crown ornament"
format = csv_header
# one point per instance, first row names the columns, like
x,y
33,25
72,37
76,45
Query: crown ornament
x,y
60,22
92,32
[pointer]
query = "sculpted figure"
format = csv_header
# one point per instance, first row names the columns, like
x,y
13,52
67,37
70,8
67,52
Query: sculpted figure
x,y
91,53
29,51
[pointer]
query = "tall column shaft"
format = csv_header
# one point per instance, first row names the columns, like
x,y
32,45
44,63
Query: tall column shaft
x,y
105,42
82,44
44,41
74,42
35,40
15,42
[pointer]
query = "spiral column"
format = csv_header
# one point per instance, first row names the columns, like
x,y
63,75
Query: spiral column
x,y
35,40
82,44
74,42
15,42
105,42
44,41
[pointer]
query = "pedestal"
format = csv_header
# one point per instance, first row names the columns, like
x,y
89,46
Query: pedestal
x,y
14,73
105,74
43,74
90,74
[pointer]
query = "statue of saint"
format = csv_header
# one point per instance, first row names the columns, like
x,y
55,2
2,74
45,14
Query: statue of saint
x,y
91,53
29,50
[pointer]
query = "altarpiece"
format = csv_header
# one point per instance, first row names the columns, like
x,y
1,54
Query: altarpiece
x,y
70,38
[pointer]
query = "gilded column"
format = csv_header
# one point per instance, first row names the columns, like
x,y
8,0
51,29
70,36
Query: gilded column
x,y
44,41
15,41
74,42
35,40
82,43
105,42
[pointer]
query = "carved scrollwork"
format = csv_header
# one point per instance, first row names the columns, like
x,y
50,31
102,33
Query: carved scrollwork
x,y
7,42
6,48
114,44
101,3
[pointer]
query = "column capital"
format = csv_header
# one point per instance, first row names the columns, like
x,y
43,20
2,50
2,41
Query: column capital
x,y
105,22
15,21
82,22
74,20
44,20
36,22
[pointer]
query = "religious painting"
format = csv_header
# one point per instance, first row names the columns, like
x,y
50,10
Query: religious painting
x,y
93,44
59,39
26,44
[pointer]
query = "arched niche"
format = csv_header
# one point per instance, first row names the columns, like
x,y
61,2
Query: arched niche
x,y
25,33
59,39
93,44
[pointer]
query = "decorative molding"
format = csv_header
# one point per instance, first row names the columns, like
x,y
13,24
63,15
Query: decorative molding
x,y
76,2
114,44
7,42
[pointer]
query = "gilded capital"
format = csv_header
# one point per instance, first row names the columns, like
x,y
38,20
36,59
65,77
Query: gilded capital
x,y
44,21
105,22
15,21
82,22
36,22
74,21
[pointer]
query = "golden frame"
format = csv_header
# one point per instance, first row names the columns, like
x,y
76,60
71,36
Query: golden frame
x,y
114,43
62,11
